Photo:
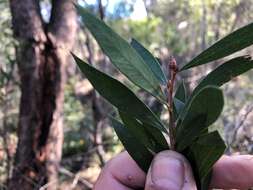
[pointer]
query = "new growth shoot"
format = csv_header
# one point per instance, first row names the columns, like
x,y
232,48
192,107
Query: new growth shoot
x,y
173,69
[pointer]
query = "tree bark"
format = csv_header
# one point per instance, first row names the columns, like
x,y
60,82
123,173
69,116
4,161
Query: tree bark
x,y
42,57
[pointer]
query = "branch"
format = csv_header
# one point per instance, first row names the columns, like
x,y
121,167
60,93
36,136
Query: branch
x,y
72,175
240,124
101,10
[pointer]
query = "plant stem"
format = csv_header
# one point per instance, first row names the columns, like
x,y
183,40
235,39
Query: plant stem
x,y
173,69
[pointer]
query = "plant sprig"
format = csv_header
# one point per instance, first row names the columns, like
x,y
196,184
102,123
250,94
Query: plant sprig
x,y
141,132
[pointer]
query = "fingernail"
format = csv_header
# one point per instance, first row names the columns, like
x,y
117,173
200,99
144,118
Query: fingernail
x,y
167,173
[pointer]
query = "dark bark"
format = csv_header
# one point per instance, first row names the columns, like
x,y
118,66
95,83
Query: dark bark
x,y
101,10
42,55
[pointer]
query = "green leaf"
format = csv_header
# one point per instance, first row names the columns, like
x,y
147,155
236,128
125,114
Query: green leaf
x,y
207,150
232,43
193,130
121,54
204,183
136,150
206,104
226,72
119,95
150,60
178,107
203,154
181,92
179,100
149,136
161,142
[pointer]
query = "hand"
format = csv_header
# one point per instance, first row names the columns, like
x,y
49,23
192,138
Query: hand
x,y
171,171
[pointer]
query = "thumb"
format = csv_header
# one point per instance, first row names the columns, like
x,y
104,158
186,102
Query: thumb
x,y
170,171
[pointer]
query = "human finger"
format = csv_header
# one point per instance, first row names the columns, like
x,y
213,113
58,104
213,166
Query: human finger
x,y
233,172
170,171
121,173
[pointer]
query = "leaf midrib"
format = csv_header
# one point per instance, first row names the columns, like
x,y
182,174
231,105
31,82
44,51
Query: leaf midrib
x,y
219,48
137,69
152,85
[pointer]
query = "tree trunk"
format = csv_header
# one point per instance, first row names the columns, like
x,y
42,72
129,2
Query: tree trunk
x,y
42,57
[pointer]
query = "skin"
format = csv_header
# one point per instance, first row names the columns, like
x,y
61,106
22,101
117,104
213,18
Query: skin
x,y
171,171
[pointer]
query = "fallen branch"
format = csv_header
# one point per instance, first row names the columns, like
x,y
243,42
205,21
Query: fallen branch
x,y
76,177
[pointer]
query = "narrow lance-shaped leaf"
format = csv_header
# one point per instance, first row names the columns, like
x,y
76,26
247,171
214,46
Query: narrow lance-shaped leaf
x,y
204,183
203,154
136,150
208,103
237,40
160,143
181,92
178,107
119,95
149,136
150,60
121,54
179,100
223,74
192,130
226,72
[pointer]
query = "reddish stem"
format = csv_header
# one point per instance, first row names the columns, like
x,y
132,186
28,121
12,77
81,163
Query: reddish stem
x,y
173,69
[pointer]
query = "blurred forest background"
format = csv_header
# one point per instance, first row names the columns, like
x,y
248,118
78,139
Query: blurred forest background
x,y
47,141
